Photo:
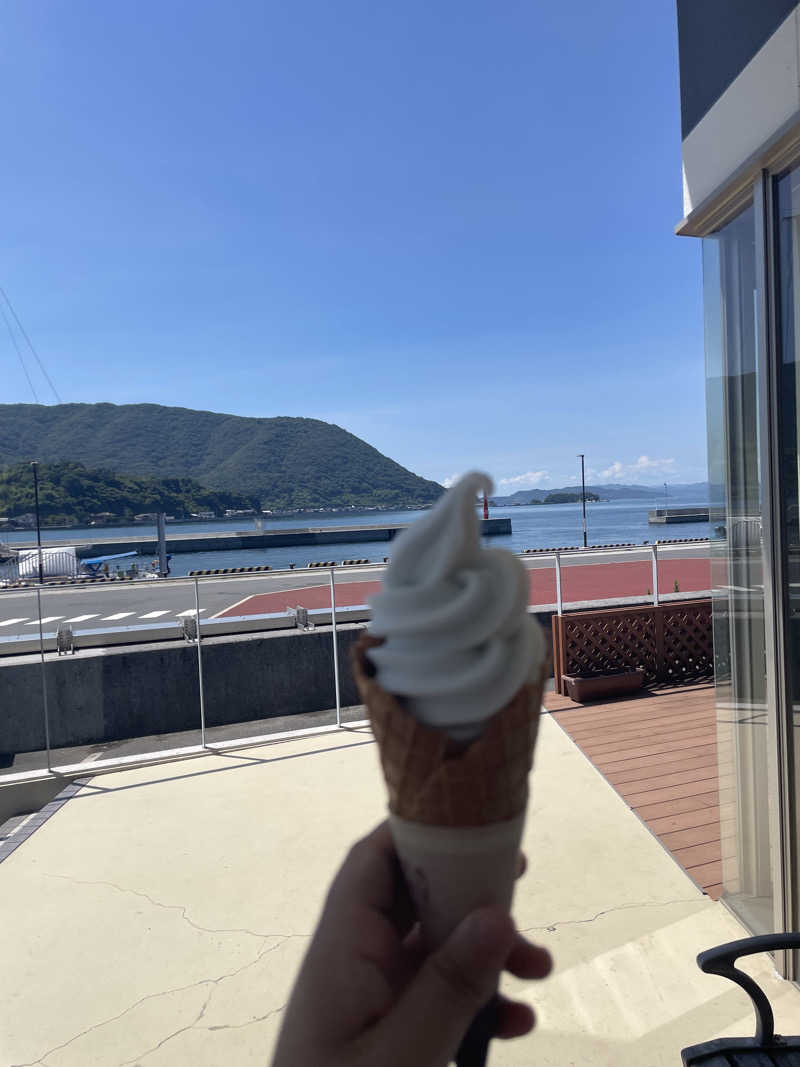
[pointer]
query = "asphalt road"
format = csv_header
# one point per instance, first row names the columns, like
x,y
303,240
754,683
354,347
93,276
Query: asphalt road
x,y
117,604
586,575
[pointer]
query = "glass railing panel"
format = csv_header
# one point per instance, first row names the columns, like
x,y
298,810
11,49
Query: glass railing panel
x,y
121,678
22,720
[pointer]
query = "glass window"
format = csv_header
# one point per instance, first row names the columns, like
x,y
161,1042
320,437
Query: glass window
x,y
732,391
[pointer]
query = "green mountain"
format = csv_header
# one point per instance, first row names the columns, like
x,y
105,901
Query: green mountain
x,y
282,462
68,493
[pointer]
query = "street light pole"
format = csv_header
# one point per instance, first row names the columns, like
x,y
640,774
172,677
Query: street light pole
x,y
583,497
35,466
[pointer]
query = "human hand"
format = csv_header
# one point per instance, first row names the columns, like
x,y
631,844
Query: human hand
x,y
367,994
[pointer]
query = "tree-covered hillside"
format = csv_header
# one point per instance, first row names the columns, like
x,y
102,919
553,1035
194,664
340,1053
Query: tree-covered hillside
x,y
68,493
284,462
567,497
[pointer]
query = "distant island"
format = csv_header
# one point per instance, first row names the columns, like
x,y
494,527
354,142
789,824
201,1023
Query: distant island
x,y
276,464
693,492
566,497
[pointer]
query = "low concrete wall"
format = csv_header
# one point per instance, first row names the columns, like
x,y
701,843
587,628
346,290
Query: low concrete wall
x,y
115,693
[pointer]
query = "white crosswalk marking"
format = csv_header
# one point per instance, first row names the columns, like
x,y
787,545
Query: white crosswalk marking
x,y
83,618
10,622
50,618
154,614
191,611
119,615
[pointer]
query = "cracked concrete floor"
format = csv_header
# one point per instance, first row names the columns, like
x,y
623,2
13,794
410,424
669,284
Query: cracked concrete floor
x,y
160,915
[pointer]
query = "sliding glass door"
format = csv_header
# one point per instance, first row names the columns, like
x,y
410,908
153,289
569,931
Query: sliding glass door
x,y
786,430
746,798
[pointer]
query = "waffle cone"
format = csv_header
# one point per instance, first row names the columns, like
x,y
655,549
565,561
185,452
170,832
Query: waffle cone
x,y
431,781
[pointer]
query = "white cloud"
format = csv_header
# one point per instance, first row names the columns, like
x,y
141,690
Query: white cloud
x,y
616,470
642,465
525,481
450,480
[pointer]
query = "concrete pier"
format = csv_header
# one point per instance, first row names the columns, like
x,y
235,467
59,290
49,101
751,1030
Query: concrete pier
x,y
217,542
662,516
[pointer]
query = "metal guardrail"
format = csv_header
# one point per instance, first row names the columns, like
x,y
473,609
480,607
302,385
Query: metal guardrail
x,y
174,630
221,573
23,565
650,549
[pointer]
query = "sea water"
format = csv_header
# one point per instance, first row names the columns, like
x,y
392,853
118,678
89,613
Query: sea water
x,y
532,526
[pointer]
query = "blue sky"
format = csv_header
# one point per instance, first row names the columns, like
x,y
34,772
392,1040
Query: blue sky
x,y
446,227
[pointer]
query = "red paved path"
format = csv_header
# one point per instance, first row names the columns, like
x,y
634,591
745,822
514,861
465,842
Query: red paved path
x,y
587,581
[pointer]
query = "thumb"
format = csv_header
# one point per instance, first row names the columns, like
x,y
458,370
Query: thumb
x,y
430,1019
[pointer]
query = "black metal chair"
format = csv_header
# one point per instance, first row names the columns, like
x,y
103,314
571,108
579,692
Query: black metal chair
x,y
766,1049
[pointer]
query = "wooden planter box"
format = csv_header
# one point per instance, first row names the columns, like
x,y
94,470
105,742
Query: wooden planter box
x,y
595,686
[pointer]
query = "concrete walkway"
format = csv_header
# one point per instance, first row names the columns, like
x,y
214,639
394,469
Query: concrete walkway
x,y
159,916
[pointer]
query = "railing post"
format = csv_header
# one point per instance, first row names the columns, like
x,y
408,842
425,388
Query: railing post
x,y
559,603
335,651
200,665
44,678
654,550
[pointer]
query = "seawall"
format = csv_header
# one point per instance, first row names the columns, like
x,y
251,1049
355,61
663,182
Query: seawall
x,y
207,542
664,516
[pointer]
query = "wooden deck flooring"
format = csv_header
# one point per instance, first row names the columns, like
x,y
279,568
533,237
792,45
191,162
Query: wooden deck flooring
x,y
659,751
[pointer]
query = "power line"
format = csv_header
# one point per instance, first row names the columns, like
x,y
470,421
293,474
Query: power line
x,y
30,345
16,346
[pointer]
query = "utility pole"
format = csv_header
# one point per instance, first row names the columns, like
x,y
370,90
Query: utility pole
x,y
163,563
666,496
583,497
35,466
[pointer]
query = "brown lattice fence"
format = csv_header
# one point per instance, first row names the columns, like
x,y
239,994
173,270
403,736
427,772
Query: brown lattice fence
x,y
672,642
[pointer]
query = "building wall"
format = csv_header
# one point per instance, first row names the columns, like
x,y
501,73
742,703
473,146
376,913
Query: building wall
x,y
740,85
716,40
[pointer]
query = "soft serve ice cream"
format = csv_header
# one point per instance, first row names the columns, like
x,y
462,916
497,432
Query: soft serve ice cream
x,y
458,642
452,675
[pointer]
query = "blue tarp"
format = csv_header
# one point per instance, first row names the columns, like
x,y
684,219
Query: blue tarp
x,y
94,564
105,559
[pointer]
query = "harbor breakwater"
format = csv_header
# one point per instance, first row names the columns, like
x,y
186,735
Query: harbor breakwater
x,y
255,539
